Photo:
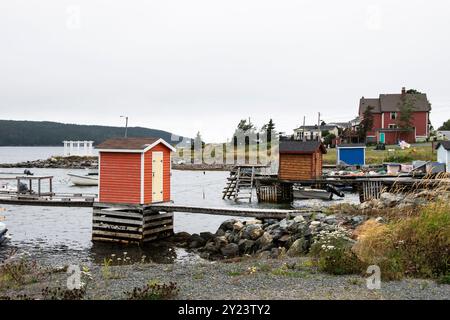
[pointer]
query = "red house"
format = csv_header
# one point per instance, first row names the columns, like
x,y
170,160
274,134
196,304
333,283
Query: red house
x,y
386,113
134,170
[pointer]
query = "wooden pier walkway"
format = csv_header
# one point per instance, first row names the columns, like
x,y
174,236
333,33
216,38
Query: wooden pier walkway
x,y
235,211
88,201
55,200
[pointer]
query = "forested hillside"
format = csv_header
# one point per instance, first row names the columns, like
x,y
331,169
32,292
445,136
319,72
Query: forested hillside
x,y
34,133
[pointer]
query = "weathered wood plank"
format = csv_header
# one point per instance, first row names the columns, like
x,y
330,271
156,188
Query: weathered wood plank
x,y
116,234
158,223
124,214
157,230
105,226
114,240
158,216
116,220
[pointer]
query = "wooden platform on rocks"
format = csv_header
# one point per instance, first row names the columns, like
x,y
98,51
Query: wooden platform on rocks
x,y
236,211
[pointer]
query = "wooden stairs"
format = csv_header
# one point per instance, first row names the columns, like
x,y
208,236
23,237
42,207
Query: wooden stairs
x,y
240,184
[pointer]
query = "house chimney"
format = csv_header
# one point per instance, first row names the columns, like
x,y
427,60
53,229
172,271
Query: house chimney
x,y
403,90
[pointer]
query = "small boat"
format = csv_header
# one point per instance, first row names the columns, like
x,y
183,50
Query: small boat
x,y
3,231
92,172
8,188
324,194
309,193
80,180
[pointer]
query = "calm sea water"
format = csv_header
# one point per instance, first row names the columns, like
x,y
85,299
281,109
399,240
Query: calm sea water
x,y
22,154
63,235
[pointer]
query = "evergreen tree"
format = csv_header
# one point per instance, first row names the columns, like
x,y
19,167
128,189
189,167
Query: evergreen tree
x,y
445,126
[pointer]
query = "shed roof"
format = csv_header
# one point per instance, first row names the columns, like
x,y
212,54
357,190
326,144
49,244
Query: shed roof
x,y
301,147
445,144
351,145
132,144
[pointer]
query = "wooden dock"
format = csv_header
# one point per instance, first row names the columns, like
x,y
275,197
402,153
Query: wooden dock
x,y
143,223
234,211
53,200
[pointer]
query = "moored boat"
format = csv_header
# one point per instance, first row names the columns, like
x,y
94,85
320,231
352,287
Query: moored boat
x,y
80,180
308,193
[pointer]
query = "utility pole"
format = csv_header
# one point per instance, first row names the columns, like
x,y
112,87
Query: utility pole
x,y
319,132
304,133
126,126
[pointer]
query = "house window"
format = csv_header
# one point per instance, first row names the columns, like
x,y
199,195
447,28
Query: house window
x,y
392,126
393,115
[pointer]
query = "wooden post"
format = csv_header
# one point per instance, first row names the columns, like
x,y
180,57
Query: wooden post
x,y
39,187
31,186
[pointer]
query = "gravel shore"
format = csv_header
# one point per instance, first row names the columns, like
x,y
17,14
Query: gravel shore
x,y
250,278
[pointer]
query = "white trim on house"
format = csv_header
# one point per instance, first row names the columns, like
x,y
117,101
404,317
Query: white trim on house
x,y
382,120
350,147
142,176
99,174
149,147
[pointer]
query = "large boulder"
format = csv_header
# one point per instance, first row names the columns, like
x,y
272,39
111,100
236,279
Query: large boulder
x,y
220,241
264,241
210,247
227,225
246,246
230,250
181,236
237,226
331,219
253,221
196,241
389,199
285,223
207,235
252,231
297,248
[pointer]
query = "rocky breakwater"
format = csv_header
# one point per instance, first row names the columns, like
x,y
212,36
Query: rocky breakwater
x,y
73,162
400,202
269,238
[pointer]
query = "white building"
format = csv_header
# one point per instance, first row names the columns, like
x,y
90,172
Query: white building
x,y
312,132
78,148
443,153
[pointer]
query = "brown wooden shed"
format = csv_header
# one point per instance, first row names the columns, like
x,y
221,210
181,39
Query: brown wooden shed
x,y
300,160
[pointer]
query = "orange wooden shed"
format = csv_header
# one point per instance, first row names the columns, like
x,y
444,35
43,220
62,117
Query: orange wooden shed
x,y
300,160
134,170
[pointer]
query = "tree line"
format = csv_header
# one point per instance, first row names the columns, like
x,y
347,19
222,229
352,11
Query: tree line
x,y
35,133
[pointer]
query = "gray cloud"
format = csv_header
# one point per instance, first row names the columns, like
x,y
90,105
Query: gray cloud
x,y
202,65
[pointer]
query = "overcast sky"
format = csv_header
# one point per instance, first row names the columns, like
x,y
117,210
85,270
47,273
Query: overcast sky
x,y
188,65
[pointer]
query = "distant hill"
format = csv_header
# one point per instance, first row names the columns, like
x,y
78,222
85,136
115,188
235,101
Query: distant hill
x,y
36,133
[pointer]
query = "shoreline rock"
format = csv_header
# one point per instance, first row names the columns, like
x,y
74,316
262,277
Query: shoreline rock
x,y
73,162
293,236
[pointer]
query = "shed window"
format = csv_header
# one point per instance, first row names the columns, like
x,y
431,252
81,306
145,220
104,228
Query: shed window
x,y
393,115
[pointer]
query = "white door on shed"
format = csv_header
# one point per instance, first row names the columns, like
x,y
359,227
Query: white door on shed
x,y
157,176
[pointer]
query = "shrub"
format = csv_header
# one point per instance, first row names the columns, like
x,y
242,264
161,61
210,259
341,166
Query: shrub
x,y
63,294
15,272
417,245
401,158
154,291
332,253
